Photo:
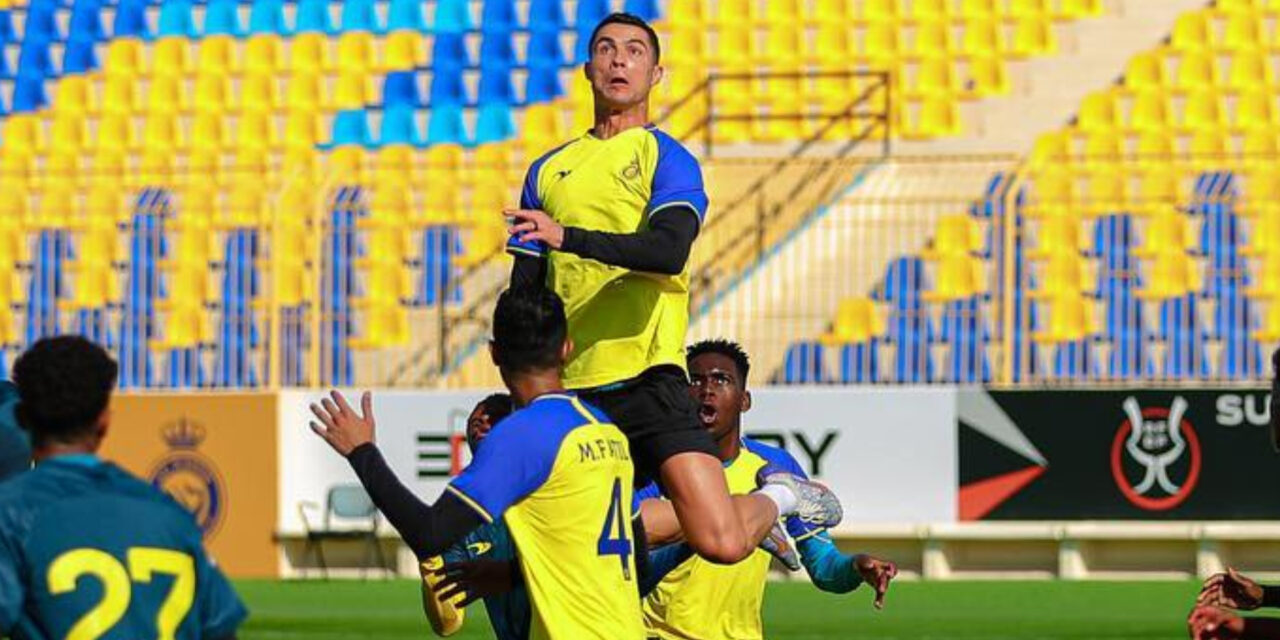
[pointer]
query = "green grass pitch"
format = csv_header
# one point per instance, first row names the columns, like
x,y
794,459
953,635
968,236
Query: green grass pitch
x,y
342,610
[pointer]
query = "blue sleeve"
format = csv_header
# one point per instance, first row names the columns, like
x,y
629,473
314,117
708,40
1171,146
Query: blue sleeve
x,y
12,591
796,528
529,199
829,569
220,609
677,180
662,561
516,459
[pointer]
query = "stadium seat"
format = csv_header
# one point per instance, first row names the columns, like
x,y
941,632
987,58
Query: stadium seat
x,y
498,16
1062,275
406,15
266,17
351,127
448,88
312,16
446,126
1202,111
1033,35
222,18
79,56
360,15
804,364
1191,32
1243,32
453,17
857,320
166,95
404,50
1167,275
131,20
494,123
263,55
399,127
217,55
1183,337
965,332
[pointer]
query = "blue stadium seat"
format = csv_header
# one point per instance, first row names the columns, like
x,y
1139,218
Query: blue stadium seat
x,y
1234,315
294,342
267,17
79,56
453,16
496,85
222,18
860,362
406,15
399,126
147,249
176,19
34,58
1073,360
911,332
992,201
400,89
589,13
965,331
542,85
7,32
902,283
804,364
92,324
498,16
86,20
448,88
1184,339
131,20
47,283
449,51
185,370
440,245
1241,359
497,50
237,329
28,93
646,9
360,15
546,15
544,49
446,126
42,20
1214,190
339,286
495,123
1113,240
351,127
313,17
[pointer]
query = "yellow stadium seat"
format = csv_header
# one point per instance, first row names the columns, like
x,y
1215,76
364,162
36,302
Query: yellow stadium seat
x,y
108,165
1098,112
163,132
309,53
115,131
1196,72
1062,274
1052,148
784,46
356,52
68,133
1250,72
166,95
302,130
212,94
73,95
263,53
256,131
1169,275
258,94
394,168
788,12
958,277
857,320
93,286
1243,32
347,165
207,132
1263,237
1209,148
1145,71
832,45
933,39
217,55
1202,110
955,234
1266,283
981,8
1159,189
306,92
542,129
1072,318
62,166
937,117
931,10
120,95
1054,187
1020,8
389,211
1270,329
1261,189
1260,146
1108,190
406,50
692,37
106,201
987,76
880,10
1191,32
125,58
1033,35
1074,9
880,43
1149,112
55,207
196,242
983,36
245,204
1165,233
686,12
1056,235
172,57
934,76
384,325
735,48
353,90
444,170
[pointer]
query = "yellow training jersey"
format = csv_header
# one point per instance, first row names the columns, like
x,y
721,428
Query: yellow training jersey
x,y
621,322
560,474
700,600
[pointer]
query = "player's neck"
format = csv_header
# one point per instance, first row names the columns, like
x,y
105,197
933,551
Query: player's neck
x,y
47,450
526,387
730,445
610,123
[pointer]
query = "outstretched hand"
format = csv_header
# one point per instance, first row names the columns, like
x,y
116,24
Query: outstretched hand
x,y
1212,623
1231,590
340,425
877,573
529,225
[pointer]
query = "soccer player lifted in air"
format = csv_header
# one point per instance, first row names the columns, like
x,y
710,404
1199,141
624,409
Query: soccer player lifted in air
x,y
1211,618
86,549
714,602
556,471
607,221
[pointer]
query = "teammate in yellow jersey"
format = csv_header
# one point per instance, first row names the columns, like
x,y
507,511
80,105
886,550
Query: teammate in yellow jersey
x,y
556,471
704,601
607,221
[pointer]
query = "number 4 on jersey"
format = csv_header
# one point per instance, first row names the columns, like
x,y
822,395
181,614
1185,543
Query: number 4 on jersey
x,y
616,518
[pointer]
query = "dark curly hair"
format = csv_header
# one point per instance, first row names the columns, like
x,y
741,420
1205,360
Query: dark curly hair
x,y
64,385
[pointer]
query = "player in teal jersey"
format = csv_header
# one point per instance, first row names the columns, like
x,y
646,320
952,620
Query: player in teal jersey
x,y
15,449
88,551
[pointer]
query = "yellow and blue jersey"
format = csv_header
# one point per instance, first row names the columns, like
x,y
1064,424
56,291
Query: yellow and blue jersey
x,y
558,472
700,600
88,551
621,322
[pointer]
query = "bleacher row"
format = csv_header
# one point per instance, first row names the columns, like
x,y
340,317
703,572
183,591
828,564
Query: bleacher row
x,y
1144,236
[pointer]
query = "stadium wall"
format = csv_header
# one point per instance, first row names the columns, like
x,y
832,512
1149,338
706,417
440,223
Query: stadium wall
x,y
951,482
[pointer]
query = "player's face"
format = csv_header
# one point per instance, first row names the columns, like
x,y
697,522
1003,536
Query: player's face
x,y
479,424
717,387
622,68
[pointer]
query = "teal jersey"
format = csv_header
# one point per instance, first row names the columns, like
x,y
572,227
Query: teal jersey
x,y
15,448
88,552
509,613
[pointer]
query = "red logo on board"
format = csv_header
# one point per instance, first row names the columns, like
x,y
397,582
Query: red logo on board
x,y
1148,453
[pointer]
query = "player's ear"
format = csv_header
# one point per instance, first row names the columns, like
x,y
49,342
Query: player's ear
x,y
659,72
746,401
566,349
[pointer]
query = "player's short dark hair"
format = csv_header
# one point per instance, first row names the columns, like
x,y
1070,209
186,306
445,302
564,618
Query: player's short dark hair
x,y
497,406
726,348
529,329
619,17
64,385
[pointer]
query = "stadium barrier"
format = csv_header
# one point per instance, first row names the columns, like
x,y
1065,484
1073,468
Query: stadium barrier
x,y
950,482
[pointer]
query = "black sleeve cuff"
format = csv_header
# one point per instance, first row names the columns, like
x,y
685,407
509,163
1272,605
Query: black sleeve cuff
x,y
1271,596
362,452
573,240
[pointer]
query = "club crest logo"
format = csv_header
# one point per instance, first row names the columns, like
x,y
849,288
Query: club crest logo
x,y
189,477
632,171
1155,457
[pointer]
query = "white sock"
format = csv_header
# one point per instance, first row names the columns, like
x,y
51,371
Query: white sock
x,y
782,496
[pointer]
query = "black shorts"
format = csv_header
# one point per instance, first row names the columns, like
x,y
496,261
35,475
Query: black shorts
x,y
658,415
